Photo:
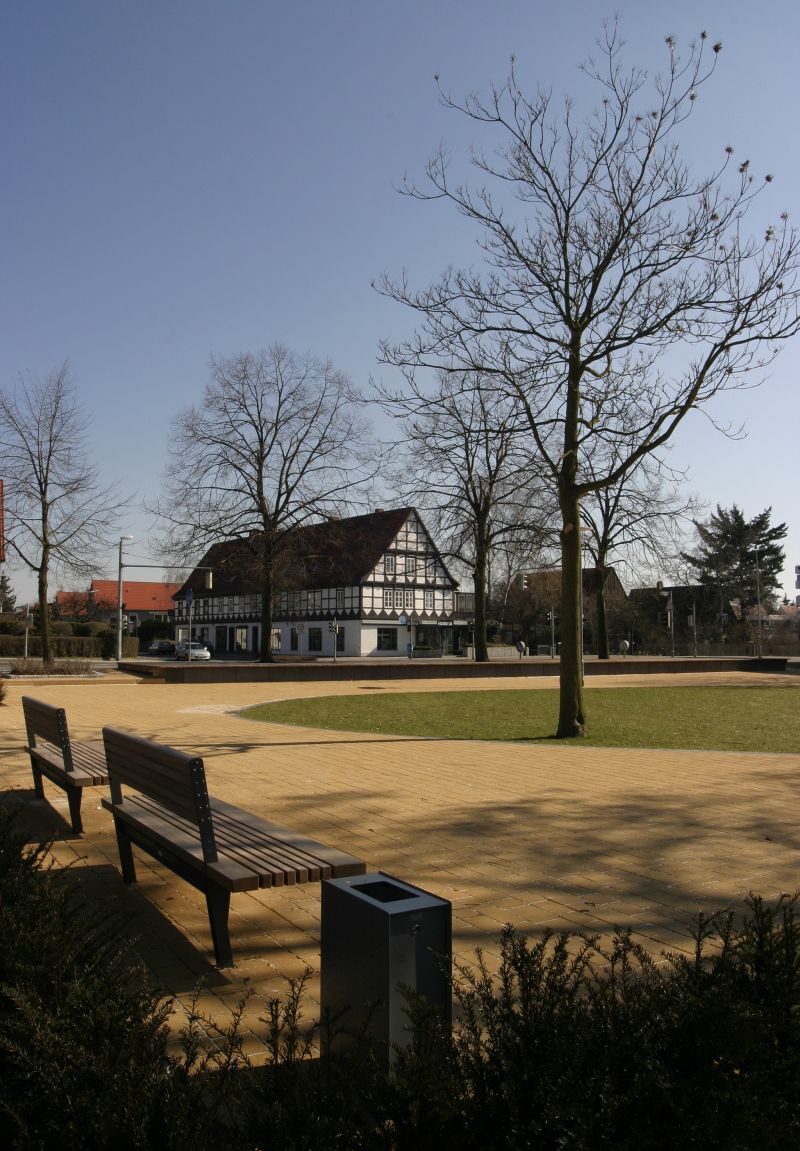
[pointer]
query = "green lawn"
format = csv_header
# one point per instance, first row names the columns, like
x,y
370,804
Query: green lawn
x,y
724,718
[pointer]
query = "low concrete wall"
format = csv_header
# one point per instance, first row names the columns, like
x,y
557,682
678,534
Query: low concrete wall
x,y
219,671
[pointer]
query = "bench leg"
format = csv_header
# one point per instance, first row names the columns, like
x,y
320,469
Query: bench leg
x,y
74,796
218,901
125,854
37,781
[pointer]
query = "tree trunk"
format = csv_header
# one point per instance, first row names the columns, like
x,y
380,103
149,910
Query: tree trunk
x,y
601,578
265,647
572,715
481,555
44,618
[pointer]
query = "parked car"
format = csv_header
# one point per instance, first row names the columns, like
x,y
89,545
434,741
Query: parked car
x,y
198,650
161,647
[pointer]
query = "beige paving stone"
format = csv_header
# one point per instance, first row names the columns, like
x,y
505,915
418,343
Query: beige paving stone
x,y
587,839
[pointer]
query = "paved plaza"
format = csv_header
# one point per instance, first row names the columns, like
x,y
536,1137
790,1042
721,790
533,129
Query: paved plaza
x,y
574,837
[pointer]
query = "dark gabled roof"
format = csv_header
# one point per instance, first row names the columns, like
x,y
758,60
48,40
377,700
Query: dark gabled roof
x,y
334,553
547,582
337,552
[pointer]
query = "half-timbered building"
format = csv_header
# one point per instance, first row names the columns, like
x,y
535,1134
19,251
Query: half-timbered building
x,y
371,585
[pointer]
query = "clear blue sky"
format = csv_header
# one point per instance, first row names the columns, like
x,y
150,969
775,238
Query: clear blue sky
x,y
187,177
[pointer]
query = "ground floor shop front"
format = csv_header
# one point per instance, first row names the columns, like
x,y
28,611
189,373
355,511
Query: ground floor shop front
x,y
328,637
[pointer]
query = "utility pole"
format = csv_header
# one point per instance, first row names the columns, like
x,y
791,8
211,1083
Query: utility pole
x,y
758,605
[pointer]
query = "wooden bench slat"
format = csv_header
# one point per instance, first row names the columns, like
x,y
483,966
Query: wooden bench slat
x,y
268,859
321,854
181,841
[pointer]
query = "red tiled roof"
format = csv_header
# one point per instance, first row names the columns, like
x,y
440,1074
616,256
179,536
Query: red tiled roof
x,y
136,595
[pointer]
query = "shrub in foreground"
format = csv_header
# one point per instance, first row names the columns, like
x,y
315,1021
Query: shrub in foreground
x,y
83,1036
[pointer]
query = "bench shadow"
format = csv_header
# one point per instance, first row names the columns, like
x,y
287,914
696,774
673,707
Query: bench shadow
x,y
158,943
37,820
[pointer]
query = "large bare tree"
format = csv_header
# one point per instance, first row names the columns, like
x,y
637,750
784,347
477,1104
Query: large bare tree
x,y
618,292
275,443
58,515
462,463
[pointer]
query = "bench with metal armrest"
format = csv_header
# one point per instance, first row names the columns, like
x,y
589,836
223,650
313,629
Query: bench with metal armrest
x,y
160,804
70,766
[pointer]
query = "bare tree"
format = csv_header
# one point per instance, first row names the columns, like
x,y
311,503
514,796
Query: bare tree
x,y
274,444
619,292
638,517
58,517
463,467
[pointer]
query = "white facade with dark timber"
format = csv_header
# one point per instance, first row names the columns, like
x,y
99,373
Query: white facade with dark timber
x,y
369,584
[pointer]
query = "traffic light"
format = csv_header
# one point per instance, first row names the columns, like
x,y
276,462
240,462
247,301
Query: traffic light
x,y
548,617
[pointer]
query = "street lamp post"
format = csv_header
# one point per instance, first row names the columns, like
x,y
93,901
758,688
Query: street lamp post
x,y
665,597
28,622
119,599
758,604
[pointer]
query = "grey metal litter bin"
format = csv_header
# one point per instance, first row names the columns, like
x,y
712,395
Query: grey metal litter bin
x,y
378,932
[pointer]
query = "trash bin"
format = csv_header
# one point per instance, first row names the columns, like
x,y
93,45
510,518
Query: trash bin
x,y
377,933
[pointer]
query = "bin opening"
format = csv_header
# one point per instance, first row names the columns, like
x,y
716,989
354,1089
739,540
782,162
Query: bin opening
x,y
383,892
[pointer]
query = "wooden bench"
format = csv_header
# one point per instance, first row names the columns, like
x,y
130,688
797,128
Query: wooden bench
x,y
166,811
71,766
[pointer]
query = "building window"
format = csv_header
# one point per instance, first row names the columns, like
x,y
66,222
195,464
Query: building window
x,y
409,598
340,638
340,599
411,566
315,639
428,599
388,599
387,639
389,565
398,598
293,639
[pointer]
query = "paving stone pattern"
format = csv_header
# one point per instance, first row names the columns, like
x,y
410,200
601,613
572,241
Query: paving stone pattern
x,y
589,839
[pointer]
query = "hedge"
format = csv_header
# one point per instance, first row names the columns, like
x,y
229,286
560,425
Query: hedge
x,y
70,647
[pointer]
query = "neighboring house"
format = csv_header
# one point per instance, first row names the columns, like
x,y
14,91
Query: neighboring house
x,y
380,577
532,607
140,601
664,616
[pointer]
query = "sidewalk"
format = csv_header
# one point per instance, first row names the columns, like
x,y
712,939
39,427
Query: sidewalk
x,y
563,837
